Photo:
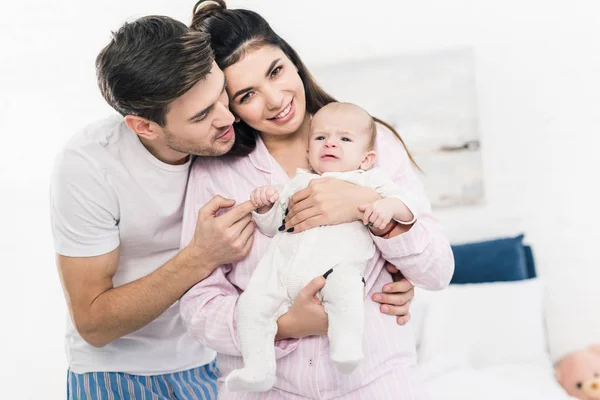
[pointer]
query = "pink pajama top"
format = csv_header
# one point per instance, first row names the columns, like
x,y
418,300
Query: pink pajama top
x,y
304,370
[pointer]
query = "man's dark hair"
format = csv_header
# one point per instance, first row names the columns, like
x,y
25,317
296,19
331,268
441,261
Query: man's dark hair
x,y
149,63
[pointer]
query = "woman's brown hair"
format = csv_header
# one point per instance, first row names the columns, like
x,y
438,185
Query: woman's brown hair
x,y
233,33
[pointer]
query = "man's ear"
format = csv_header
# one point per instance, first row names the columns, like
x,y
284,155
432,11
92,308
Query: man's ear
x,y
368,161
144,128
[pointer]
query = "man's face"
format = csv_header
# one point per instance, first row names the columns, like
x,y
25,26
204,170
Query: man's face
x,y
199,122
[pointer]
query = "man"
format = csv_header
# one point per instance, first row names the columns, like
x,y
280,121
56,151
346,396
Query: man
x,y
116,208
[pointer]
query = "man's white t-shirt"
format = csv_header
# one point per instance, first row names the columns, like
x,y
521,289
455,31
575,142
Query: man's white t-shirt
x,y
108,190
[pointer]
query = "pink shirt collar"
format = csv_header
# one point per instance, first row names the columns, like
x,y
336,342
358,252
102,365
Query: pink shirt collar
x,y
261,158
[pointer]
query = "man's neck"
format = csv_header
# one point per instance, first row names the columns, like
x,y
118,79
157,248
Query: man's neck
x,y
163,153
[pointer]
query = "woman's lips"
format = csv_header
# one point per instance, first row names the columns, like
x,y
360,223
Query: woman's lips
x,y
288,113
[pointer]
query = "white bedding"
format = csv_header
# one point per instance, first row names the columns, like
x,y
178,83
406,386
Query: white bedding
x,y
504,382
485,342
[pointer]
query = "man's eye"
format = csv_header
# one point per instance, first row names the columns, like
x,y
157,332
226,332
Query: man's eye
x,y
200,118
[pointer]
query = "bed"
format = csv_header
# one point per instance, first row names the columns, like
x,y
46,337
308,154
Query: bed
x,y
485,336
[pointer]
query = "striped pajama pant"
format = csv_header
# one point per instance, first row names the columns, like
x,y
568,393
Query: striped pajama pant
x,y
194,384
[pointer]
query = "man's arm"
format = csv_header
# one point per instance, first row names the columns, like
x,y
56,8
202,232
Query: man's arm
x,y
102,313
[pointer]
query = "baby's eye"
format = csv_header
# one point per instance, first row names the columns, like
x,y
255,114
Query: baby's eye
x,y
345,139
579,385
320,138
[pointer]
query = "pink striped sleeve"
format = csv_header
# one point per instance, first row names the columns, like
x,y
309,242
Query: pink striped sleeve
x,y
422,254
209,308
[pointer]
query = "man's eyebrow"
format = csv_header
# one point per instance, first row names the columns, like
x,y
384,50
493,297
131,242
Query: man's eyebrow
x,y
207,109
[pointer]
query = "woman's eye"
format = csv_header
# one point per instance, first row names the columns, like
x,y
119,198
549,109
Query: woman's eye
x,y
345,139
276,71
246,97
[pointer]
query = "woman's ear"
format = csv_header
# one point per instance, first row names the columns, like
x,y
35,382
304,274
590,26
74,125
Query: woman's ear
x,y
369,160
142,127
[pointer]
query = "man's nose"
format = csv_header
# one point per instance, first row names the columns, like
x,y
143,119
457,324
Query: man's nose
x,y
224,116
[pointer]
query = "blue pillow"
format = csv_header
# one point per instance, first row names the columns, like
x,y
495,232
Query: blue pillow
x,y
499,260
530,262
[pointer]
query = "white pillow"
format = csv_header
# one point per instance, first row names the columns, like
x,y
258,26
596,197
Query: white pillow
x,y
571,312
487,323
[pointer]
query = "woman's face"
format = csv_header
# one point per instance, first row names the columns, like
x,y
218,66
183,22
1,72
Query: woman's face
x,y
266,91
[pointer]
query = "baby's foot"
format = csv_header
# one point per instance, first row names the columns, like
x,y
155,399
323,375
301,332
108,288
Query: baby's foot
x,y
247,380
346,356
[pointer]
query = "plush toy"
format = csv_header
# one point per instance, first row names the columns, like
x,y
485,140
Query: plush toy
x,y
579,373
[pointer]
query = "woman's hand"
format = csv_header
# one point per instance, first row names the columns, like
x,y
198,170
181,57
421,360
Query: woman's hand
x,y
327,201
306,316
396,296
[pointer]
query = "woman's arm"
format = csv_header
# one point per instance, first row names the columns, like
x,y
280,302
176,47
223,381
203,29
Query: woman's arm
x,y
209,308
421,251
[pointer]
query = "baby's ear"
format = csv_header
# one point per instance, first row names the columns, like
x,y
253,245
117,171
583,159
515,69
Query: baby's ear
x,y
369,160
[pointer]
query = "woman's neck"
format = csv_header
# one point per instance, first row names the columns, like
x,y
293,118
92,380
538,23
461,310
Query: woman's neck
x,y
290,150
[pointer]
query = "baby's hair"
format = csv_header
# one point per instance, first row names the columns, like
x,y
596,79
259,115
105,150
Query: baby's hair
x,y
372,126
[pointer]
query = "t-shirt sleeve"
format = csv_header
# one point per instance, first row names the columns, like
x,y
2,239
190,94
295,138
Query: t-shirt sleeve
x,y
84,210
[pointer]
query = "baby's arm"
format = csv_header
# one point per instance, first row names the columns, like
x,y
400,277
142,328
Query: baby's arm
x,y
380,213
269,215
397,204
263,198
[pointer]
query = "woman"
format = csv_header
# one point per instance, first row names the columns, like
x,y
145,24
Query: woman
x,y
273,97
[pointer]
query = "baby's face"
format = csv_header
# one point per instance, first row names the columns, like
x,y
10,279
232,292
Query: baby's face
x,y
339,141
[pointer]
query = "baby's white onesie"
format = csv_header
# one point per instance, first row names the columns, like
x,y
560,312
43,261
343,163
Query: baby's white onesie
x,y
341,252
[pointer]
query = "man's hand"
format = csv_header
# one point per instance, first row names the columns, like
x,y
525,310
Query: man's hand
x,y
223,239
396,296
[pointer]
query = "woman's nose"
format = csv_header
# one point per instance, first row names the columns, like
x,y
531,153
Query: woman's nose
x,y
273,98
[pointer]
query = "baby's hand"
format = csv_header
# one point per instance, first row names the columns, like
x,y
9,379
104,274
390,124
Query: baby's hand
x,y
263,197
381,212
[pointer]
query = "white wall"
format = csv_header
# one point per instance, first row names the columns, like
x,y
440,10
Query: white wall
x,y
538,88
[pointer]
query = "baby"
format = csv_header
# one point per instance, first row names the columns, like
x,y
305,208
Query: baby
x,y
341,146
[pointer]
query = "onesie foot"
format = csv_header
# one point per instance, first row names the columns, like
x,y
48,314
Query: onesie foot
x,y
246,380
